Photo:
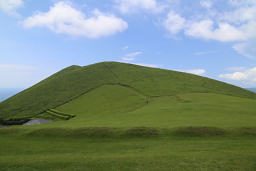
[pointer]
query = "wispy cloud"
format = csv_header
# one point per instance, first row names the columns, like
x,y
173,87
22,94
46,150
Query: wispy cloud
x,y
196,71
192,71
131,56
247,49
130,6
10,6
147,65
206,3
204,53
125,47
236,68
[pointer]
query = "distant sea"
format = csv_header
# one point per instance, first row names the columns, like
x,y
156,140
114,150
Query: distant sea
x,y
5,93
252,89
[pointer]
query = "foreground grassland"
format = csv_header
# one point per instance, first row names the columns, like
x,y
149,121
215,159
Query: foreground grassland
x,y
179,152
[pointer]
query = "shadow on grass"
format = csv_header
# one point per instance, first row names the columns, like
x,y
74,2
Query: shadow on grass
x,y
141,132
96,132
199,131
245,131
135,132
90,132
10,130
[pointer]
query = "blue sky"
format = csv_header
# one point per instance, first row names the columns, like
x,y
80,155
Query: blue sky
x,y
213,38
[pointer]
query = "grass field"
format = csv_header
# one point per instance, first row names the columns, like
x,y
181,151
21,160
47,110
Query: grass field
x,y
114,116
128,153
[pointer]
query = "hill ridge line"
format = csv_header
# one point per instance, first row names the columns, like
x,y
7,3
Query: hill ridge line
x,y
114,74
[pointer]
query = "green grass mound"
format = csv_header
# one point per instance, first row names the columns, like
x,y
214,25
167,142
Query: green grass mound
x,y
102,99
75,81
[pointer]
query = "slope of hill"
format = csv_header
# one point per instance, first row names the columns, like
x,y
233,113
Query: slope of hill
x,y
136,86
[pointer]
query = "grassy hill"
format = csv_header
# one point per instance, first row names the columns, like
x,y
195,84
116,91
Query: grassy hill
x,y
76,81
116,116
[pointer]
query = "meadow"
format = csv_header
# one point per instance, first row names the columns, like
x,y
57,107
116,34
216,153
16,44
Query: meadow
x,y
171,151
114,116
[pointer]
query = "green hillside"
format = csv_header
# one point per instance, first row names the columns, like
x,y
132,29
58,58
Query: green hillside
x,y
116,116
130,110
75,82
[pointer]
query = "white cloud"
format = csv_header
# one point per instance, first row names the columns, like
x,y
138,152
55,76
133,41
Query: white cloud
x,y
174,23
142,64
147,65
196,71
206,3
247,76
237,76
235,22
240,15
224,32
131,56
247,49
10,6
239,3
127,6
63,18
236,68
